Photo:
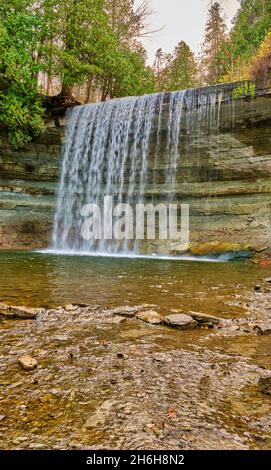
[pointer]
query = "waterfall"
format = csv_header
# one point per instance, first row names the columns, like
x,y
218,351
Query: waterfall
x,y
120,148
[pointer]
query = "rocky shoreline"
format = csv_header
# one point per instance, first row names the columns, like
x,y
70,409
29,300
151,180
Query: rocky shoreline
x,y
88,377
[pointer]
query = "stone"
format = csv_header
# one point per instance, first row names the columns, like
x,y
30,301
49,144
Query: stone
x,y
60,338
150,316
70,307
263,329
100,416
265,385
27,362
23,313
181,321
204,318
115,320
268,279
131,311
257,288
2,417
125,311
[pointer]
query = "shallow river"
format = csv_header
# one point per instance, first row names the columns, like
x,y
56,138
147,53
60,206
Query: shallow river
x,y
41,279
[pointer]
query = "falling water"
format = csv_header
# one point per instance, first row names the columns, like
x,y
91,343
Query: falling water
x,y
108,150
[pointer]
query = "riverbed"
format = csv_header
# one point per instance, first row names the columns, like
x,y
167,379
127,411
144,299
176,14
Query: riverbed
x,y
110,381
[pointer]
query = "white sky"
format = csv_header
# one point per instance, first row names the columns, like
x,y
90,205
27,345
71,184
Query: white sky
x,y
182,20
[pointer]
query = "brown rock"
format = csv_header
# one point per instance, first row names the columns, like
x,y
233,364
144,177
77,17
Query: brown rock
x,y
265,385
23,313
204,318
130,311
150,316
27,362
181,321
263,329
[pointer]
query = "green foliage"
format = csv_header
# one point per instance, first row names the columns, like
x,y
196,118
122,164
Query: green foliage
x,y
244,89
20,106
177,71
77,41
251,26
212,60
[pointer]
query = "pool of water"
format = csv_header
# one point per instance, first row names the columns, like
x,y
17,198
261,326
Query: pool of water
x,y
46,279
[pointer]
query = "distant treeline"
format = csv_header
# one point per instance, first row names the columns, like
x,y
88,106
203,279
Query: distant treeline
x,y
243,53
93,48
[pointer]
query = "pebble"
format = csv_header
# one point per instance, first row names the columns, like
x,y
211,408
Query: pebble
x,y
27,362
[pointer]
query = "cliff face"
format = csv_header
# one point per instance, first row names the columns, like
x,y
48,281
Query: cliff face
x,y
28,182
225,177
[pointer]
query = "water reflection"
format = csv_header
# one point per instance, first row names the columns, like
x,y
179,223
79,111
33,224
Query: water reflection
x,y
46,279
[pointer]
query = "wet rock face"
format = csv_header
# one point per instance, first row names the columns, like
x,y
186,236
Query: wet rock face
x,y
28,182
224,177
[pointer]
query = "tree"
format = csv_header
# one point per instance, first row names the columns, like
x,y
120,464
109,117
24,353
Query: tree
x,y
215,39
96,42
128,20
182,70
93,42
176,71
251,25
78,40
160,69
20,105
126,73
260,66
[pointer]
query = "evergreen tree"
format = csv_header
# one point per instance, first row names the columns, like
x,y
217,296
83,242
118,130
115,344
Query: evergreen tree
x,y
215,38
176,71
182,70
93,42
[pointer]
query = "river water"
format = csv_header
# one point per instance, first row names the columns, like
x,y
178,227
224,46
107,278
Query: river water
x,y
37,279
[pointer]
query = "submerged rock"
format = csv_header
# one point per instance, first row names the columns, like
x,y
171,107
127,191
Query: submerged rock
x,y
150,316
181,321
263,329
265,385
71,307
27,362
100,416
131,311
204,318
23,313
257,287
115,320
